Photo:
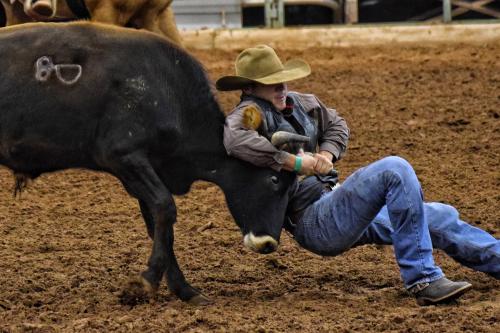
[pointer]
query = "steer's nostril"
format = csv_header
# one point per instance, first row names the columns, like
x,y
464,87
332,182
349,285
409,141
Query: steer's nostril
x,y
268,248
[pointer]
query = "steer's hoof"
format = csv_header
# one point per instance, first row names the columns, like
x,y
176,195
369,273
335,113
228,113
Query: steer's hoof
x,y
200,300
138,291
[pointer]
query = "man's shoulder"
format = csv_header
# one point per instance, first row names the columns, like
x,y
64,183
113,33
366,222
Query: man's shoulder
x,y
251,114
308,101
300,95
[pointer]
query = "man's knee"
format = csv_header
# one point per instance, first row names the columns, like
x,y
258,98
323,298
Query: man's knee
x,y
397,166
396,163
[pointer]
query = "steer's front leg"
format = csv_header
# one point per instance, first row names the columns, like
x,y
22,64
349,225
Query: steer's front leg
x,y
175,279
159,213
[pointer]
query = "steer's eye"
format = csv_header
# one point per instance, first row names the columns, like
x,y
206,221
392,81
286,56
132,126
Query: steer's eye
x,y
274,179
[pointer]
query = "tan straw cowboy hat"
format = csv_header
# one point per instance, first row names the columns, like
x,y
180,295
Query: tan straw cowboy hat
x,y
261,64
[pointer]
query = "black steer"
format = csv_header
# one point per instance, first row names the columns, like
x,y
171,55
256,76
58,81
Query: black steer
x,y
129,103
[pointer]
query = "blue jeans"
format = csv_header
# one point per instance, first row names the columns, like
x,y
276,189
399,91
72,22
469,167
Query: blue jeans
x,y
383,204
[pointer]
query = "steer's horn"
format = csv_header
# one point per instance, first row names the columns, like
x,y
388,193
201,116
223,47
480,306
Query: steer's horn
x,y
282,137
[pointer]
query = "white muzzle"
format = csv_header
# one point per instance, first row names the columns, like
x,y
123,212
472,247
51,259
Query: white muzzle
x,y
260,244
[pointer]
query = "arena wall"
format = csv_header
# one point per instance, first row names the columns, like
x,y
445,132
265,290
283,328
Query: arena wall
x,y
341,36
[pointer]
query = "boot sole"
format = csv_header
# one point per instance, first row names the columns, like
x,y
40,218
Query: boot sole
x,y
444,299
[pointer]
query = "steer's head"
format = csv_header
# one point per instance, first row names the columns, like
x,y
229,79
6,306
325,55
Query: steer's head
x,y
258,198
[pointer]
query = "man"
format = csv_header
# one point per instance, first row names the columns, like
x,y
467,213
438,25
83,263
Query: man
x,y
381,203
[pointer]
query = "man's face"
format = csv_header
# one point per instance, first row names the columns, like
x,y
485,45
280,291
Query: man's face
x,y
274,93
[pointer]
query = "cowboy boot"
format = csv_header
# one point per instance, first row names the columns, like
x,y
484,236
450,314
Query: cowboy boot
x,y
439,291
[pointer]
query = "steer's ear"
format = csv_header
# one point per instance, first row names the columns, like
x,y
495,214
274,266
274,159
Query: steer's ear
x,y
252,117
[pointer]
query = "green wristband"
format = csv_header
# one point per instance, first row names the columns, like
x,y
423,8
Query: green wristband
x,y
298,164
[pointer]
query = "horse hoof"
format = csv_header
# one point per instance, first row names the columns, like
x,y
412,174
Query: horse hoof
x,y
200,300
137,291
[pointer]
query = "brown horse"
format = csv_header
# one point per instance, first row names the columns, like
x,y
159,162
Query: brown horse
x,y
153,15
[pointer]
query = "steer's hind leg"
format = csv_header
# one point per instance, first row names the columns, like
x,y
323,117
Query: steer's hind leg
x,y
159,212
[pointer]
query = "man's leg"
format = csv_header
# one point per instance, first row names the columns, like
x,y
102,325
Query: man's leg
x,y
335,222
468,245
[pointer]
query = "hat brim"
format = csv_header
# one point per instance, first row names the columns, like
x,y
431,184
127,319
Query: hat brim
x,y
292,70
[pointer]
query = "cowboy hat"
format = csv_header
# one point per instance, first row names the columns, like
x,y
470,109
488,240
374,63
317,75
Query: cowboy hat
x,y
261,64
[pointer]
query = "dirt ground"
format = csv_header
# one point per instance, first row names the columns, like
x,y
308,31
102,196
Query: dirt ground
x,y
74,239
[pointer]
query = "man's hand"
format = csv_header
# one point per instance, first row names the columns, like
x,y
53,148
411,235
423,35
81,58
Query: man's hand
x,y
328,155
308,163
320,163
323,164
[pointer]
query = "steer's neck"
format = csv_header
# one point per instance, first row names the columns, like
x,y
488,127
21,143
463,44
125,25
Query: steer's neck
x,y
213,165
218,167
204,144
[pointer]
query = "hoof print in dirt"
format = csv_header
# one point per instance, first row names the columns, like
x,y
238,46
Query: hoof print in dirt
x,y
275,264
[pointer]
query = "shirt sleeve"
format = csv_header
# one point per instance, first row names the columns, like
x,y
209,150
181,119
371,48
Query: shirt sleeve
x,y
334,133
249,145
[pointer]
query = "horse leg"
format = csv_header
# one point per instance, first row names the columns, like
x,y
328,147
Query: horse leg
x,y
14,13
107,12
159,212
160,21
166,22
40,9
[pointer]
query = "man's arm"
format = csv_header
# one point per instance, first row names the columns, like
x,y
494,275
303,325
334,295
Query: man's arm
x,y
334,133
248,145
